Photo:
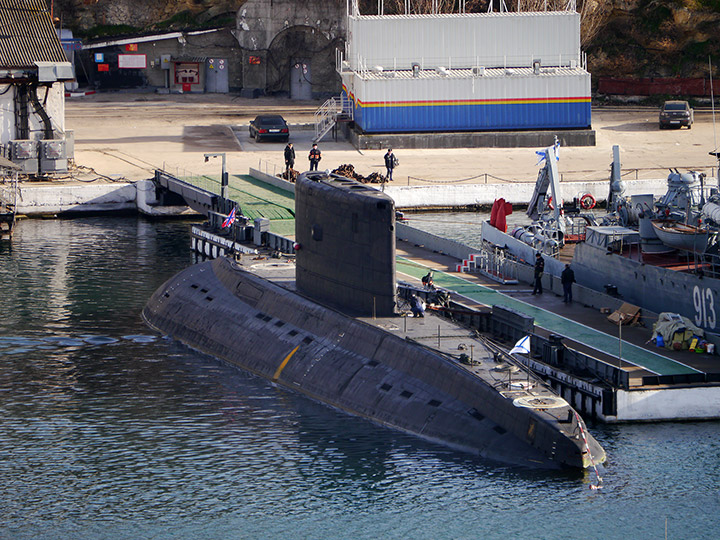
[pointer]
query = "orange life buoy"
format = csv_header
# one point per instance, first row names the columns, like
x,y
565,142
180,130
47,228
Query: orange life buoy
x,y
587,202
550,204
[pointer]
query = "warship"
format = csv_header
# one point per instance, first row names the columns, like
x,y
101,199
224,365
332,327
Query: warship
x,y
658,254
332,323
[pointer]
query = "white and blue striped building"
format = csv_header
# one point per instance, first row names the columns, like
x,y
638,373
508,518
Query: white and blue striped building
x,y
466,72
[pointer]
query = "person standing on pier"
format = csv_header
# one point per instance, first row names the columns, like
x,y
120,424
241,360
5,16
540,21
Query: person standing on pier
x,y
314,156
289,159
539,269
391,161
567,278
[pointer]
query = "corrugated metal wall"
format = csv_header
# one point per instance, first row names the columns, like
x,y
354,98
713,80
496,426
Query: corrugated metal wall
x,y
493,102
490,40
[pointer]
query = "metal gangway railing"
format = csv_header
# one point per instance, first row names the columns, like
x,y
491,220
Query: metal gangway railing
x,y
493,262
326,117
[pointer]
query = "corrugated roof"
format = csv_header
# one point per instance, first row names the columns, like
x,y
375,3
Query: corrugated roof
x,y
27,34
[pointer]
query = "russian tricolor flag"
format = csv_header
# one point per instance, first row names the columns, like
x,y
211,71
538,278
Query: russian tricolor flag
x,y
230,219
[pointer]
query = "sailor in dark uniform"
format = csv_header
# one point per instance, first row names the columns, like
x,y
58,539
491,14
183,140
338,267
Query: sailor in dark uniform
x,y
567,278
289,158
314,156
539,269
417,306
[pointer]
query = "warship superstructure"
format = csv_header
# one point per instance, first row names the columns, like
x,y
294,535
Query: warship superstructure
x,y
661,254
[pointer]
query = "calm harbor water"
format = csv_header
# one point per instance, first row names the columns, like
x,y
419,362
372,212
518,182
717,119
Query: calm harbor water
x,y
110,431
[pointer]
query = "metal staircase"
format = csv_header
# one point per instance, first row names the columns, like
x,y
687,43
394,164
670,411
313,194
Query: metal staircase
x,y
331,112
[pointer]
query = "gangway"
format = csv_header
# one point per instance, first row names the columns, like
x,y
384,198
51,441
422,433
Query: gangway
x,y
334,110
492,262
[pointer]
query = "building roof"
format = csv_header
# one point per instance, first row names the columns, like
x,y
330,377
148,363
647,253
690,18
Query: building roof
x,y
146,39
27,34
468,73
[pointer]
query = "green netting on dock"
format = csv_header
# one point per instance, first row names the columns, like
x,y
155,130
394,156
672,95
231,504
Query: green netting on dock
x,y
548,320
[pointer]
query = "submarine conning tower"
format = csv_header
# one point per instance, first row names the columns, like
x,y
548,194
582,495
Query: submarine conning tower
x,y
345,233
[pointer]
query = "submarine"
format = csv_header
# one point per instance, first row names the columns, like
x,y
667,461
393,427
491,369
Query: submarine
x,y
332,323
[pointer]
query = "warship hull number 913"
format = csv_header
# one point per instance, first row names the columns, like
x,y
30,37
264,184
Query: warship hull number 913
x,y
704,307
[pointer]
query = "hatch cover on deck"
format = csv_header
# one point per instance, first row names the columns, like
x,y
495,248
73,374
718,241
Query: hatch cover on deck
x,y
534,402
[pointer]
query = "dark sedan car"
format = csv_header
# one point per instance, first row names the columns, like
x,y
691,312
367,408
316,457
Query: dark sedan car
x,y
268,127
676,114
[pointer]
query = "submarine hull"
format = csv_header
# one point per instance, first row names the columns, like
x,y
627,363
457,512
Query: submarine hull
x,y
250,318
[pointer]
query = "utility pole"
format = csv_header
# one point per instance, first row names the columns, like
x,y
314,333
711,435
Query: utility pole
x,y
224,178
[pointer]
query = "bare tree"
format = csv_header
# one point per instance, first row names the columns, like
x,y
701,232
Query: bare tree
x,y
593,17
593,13
417,7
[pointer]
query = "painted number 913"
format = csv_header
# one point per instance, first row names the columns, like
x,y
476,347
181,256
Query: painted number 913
x,y
704,307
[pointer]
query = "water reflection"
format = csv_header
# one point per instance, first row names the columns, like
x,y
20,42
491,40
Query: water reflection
x,y
109,431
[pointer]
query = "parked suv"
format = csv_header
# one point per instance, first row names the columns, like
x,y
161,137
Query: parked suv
x,y
676,114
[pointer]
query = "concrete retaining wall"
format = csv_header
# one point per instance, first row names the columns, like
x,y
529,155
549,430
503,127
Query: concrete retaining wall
x,y
56,198
453,196
53,198
697,403
495,139
147,203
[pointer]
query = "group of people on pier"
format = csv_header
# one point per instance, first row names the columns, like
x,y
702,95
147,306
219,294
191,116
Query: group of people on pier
x,y
315,155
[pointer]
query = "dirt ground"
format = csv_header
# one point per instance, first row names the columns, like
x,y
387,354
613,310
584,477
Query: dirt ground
x,y
128,135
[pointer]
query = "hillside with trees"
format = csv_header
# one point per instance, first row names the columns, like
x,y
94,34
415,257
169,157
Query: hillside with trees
x,y
622,38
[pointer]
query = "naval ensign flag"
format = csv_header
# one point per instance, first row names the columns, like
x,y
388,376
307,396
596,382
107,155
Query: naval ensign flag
x,y
522,346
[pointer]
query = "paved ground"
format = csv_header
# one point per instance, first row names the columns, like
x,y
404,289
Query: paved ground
x,y
129,135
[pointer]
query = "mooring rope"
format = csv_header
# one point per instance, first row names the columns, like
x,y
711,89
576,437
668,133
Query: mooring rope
x,y
598,484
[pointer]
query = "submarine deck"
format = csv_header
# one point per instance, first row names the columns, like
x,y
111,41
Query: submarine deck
x,y
464,347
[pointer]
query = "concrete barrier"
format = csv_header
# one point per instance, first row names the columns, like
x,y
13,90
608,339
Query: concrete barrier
x,y
456,196
460,196
58,198
147,203
272,180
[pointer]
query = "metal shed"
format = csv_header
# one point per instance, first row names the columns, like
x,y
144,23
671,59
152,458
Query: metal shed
x,y
463,40
466,72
